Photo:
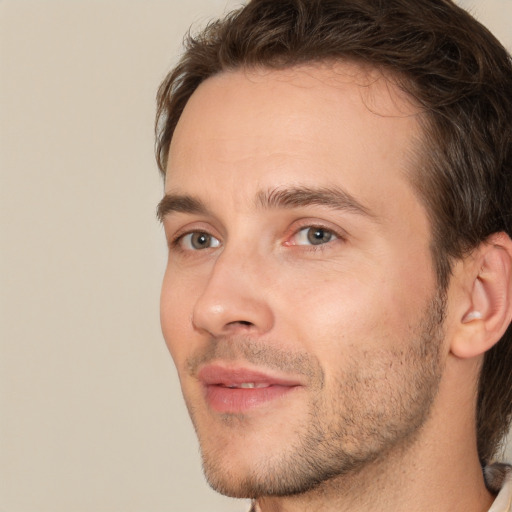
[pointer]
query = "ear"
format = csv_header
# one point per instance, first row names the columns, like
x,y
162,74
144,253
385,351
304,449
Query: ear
x,y
487,310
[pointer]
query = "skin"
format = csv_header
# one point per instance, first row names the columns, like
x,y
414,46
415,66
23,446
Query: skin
x,y
357,321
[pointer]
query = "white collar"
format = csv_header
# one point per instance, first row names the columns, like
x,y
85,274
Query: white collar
x,y
503,502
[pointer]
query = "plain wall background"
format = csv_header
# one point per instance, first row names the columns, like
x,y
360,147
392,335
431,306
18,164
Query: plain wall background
x,y
91,415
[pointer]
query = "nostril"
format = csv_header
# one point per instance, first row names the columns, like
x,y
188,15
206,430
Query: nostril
x,y
242,322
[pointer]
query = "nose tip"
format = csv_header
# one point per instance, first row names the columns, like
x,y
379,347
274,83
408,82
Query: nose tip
x,y
226,306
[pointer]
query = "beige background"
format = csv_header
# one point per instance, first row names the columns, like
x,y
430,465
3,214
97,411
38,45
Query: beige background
x,y
91,417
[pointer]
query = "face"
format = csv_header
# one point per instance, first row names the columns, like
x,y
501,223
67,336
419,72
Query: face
x,y
299,301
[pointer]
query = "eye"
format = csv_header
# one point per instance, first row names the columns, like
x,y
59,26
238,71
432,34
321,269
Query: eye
x,y
312,235
198,240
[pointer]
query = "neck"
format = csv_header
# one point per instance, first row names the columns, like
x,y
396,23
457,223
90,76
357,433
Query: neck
x,y
436,470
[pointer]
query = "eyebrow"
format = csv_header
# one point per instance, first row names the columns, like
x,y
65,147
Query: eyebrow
x,y
280,198
180,204
297,197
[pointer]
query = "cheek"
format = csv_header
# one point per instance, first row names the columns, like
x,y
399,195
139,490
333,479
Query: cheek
x,y
176,306
371,306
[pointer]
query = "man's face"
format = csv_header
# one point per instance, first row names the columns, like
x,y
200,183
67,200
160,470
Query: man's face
x,y
299,301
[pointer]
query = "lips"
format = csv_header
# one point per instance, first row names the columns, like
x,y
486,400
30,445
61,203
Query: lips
x,y
237,390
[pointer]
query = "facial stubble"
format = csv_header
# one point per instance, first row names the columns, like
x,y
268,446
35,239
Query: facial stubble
x,y
377,405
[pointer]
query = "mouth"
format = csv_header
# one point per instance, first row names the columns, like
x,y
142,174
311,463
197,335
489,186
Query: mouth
x,y
238,390
247,385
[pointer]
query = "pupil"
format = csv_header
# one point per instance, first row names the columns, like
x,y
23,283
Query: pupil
x,y
200,240
318,236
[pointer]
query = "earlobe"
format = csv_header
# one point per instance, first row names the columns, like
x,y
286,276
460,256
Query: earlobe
x,y
489,313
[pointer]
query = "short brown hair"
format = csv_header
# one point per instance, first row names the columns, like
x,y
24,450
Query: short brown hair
x,y
453,67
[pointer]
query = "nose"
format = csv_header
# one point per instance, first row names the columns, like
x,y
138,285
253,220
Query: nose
x,y
235,299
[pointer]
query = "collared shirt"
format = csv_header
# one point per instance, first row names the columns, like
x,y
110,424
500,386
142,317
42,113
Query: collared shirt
x,y
502,503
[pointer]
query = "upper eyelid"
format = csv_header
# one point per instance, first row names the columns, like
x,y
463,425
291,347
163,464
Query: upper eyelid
x,y
318,227
175,241
179,235
181,239
194,226
310,223
296,233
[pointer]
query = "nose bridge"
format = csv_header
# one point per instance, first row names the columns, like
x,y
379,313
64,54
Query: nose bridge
x,y
233,297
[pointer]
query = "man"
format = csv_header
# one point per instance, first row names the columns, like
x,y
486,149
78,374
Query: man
x,y
338,295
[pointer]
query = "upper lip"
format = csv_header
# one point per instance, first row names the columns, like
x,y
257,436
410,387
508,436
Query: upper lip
x,y
215,374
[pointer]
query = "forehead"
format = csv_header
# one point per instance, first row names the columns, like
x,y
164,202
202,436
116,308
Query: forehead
x,y
324,124
292,94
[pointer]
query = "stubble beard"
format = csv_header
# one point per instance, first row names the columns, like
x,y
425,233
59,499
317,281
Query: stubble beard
x,y
379,405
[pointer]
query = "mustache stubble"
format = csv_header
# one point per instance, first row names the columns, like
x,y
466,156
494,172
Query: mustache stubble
x,y
258,353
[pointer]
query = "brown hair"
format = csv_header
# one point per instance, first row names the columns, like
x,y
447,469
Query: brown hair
x,y
455,70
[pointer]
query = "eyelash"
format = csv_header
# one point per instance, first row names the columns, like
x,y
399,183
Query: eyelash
x,y
315,247
177,240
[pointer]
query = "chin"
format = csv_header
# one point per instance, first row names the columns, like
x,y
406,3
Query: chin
x,y
292,475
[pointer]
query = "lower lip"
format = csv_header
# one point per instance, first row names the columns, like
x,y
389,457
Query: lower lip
x,y
240,400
